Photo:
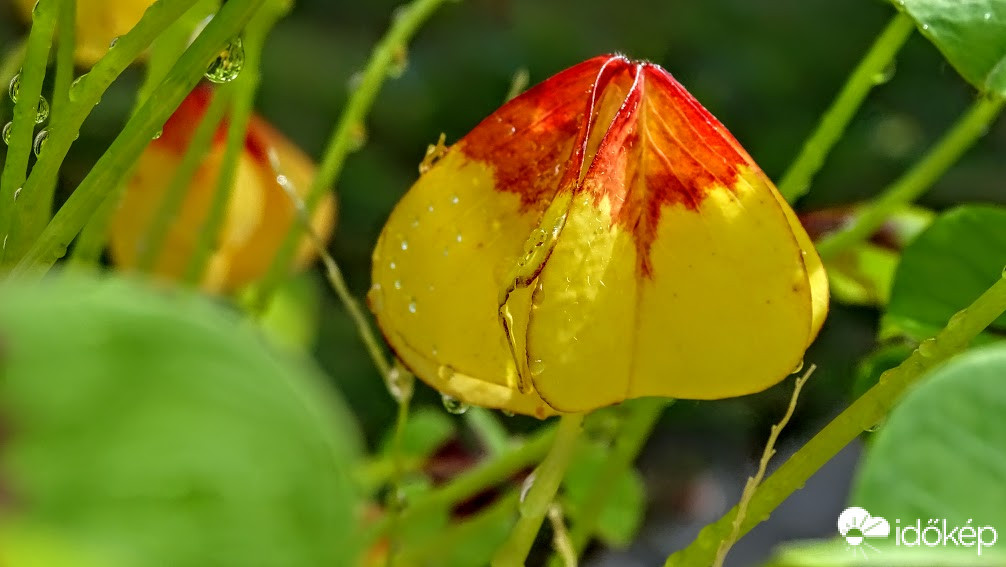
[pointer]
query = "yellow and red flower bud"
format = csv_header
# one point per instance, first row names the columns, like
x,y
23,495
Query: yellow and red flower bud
x,y
259,212
600,237
98,23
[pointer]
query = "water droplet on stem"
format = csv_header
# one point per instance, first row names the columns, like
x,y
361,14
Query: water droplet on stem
x,y
453,405
228,63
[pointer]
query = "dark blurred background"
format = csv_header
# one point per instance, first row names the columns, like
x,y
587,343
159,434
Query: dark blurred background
x,y
766,69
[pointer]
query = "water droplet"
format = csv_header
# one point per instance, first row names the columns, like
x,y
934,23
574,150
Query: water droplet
x,y
1004,271
885,74
429,207
14,87
159,133
455,200
354,81
453,405
405,245
400,383
399,61
398,284
6,132
958,319
873,428
798,367
536,367
459,237
392,265
415,222
76,87
925,27
526,486
446,251
507,413
927,347
17,192
42,111
412,306
988,16
228,63
115,41
445,372
40,142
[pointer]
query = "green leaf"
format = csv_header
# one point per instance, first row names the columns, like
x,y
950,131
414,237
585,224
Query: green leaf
x,y
426,431
971,35
945,268
862,275
940,453
291,318
623,511
165,428
837,553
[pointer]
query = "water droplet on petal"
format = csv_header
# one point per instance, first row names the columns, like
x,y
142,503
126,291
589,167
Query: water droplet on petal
x,y
536,367
6,132
415,222
392,265
453,405
228,63
40,142
798,367
398,284
405,245
507,413
412,306
14,87
455,200
459,237
42,111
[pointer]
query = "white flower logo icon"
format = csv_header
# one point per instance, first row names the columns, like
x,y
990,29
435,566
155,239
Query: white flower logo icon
x,y
856,524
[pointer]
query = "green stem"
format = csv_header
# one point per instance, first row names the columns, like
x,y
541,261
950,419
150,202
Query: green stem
x,y
127,147
863,414
245,87
15,169
633,432
968,129
84,96
157,233
65,45
797,179
547,478
431,551
164,52
393,502
408,20
13,59
470,483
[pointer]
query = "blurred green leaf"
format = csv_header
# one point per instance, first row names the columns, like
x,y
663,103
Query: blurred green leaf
x,y
623,511
291,318
945,268
837,553
166,429
940,453
862,275
971,34
426,430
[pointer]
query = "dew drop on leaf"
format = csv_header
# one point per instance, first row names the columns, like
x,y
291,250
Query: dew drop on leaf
x,y
6,132
927,347
228,63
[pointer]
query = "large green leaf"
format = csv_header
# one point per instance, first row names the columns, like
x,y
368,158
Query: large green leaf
x,y
164,430
940,455
623,509
945,268
971,34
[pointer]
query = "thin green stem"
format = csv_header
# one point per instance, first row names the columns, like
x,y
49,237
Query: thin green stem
x,y
470,483
431,551
872,70
863,414
968,129
633,431
547,478
152,243
127,147
13,59
246,87
84,94
164,51
65,44
15,169
394,503
408,20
